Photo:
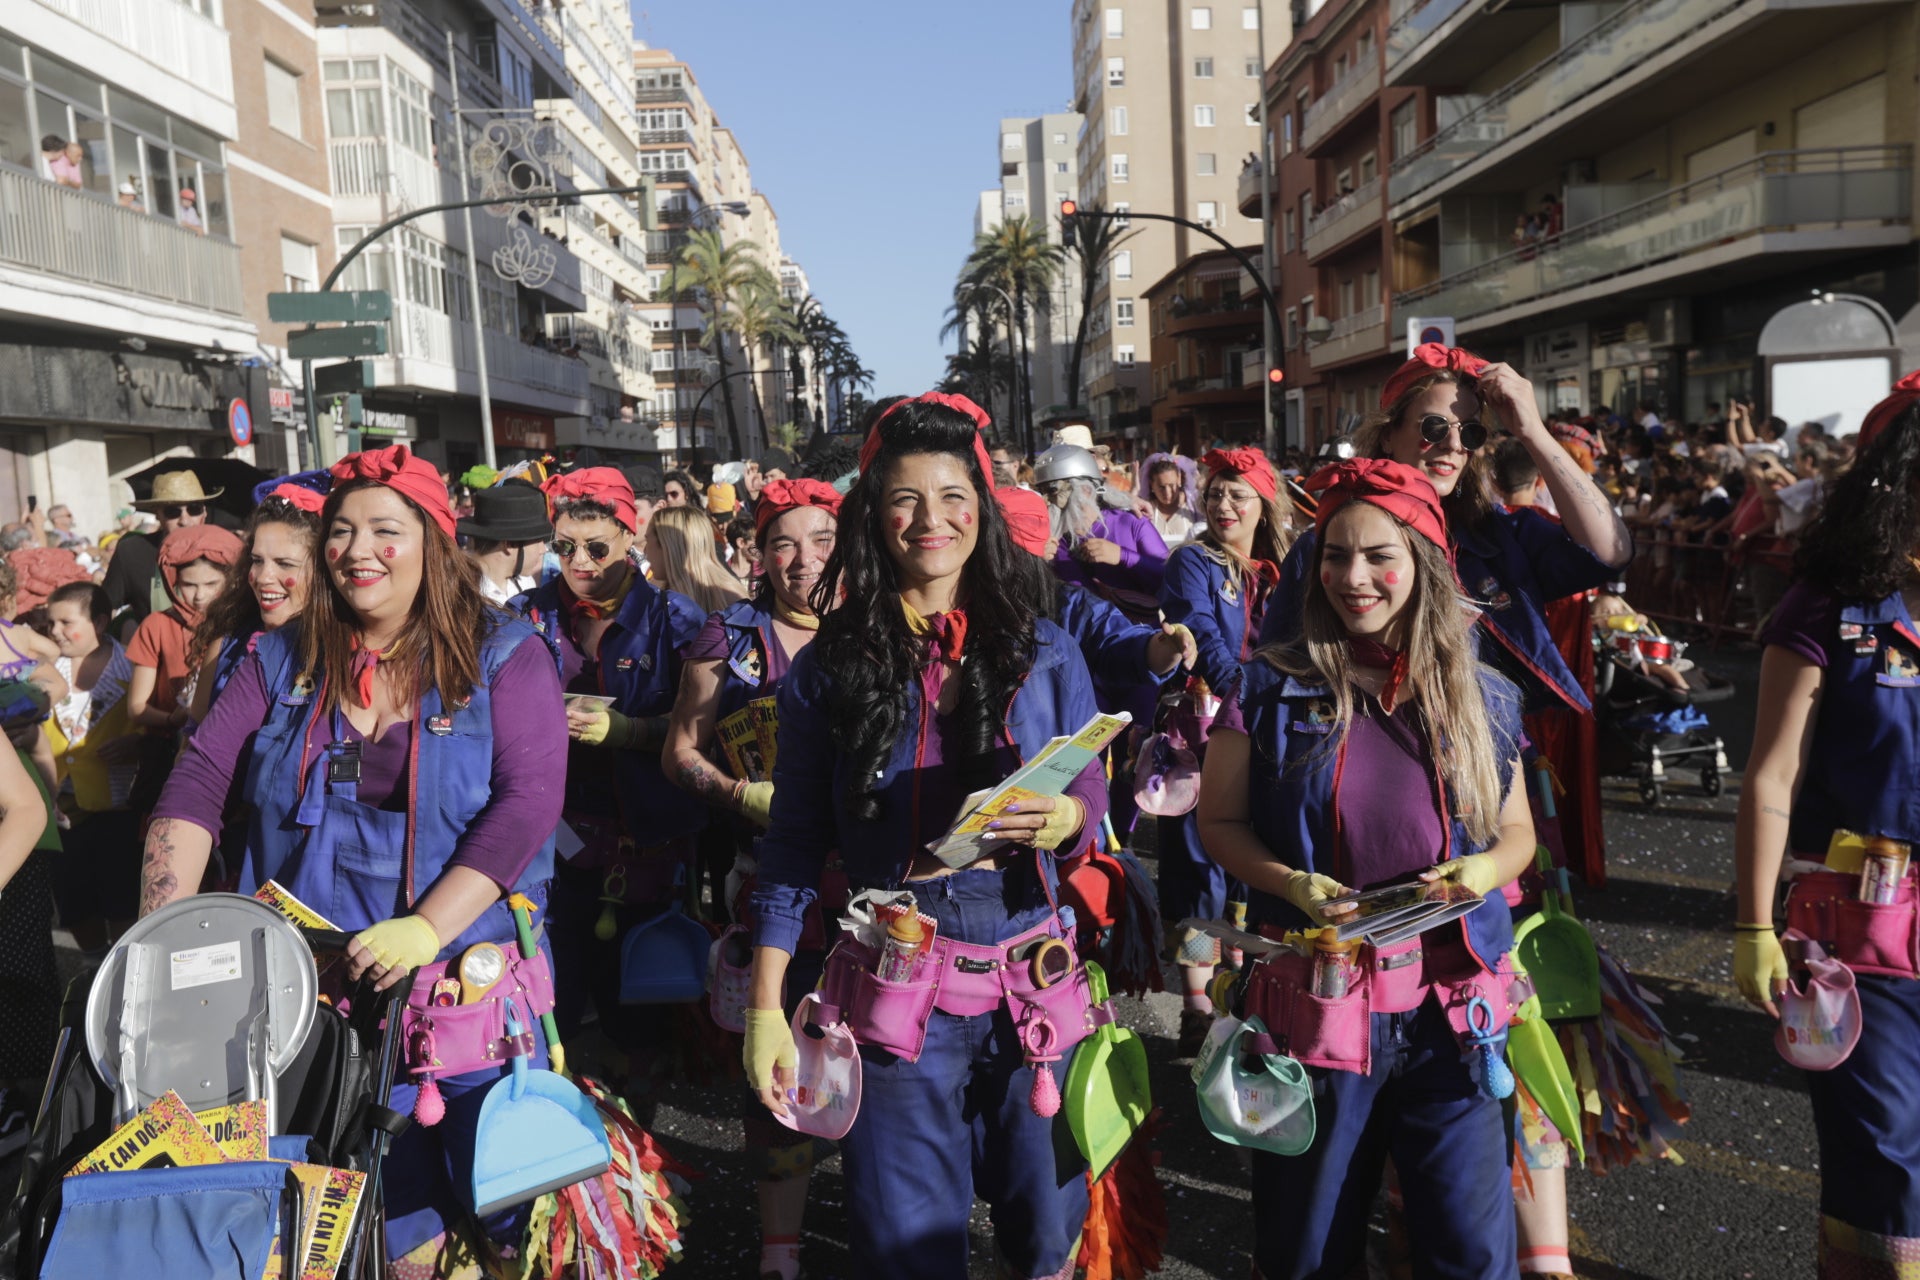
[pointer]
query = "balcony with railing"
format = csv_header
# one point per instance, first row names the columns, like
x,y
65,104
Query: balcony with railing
x,y
58,231
1628,38
665,138
664,246
1827,201
420,336
664,96
1452,41
1363,333
1247,194
1356,211
173,38
374,167
1333,108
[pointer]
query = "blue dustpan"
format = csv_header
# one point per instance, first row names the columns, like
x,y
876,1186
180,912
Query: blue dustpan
x,y
664,960
537,1133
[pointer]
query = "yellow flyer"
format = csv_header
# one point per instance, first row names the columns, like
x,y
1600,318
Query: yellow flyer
x,y
741,743
240,1131
766,730
334,1197
1049,773
165,1135
275,895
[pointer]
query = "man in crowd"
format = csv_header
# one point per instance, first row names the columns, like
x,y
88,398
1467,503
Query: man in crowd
x,y
133,578
507,537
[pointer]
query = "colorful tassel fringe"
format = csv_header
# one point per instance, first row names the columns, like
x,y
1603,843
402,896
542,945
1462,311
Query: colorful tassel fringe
x,y
1625,1071
625,1224
1126,1226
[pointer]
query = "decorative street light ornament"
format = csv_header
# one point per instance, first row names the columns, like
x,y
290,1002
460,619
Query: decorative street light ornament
x,y
515,156
521,261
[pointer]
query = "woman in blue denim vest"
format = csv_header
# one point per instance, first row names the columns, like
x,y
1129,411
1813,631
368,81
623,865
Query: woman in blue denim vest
x,y
1374,749
1835,748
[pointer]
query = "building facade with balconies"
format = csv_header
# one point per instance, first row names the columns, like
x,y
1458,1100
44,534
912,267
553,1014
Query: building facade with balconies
x,y
1616,198
124,330
1208,362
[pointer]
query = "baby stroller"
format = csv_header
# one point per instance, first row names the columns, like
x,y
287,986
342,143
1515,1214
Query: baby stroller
x,y
1648,724
212,1002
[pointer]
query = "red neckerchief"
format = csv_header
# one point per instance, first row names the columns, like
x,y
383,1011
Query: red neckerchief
x,y
365,663
580,607
1369,652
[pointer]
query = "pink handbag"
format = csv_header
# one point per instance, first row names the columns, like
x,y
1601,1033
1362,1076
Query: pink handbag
x,y
1819,1022
825,1096
729,974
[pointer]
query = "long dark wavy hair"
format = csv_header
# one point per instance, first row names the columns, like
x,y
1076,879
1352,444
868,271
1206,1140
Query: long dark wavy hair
x,y
1860,546
234,612
864,642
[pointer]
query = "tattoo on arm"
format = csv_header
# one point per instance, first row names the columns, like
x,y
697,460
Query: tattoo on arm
x,y
702,778
1778,813
159,885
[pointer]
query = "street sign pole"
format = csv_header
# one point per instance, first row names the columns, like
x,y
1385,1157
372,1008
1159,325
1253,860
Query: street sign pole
x,y
473,267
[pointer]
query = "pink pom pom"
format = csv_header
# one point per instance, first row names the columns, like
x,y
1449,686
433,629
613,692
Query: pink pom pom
x,y
1046,1092
429,1108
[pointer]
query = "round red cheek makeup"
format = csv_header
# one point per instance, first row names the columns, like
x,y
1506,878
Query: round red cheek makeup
x,y
389,552
966,517
1326,577
899,522
333,553
1393,578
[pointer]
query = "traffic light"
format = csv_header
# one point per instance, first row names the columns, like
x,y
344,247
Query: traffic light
x,y
1276,376
1068,208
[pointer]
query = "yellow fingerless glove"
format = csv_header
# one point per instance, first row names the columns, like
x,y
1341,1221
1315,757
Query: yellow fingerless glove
x,y
1062,824
1477,871
1759,964
769,1045
756,803
596,732
1310,892
404,942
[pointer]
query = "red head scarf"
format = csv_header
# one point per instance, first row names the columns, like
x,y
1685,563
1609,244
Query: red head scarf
x,y
959,404
1251,464
40,571
1429,357
207,542
603,485
1028,519
301,496
1403,492
397,468
778,497
1905,392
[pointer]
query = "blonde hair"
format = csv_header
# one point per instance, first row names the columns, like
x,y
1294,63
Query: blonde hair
x,y
1275,530
1443,679
1472,498
688,561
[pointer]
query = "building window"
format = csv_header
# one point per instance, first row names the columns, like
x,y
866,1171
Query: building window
x,y
1123,264
1249,19
1370,288
1205,164
283,99
1060,166
1252,114
1342,182
1123,313
1208,213
1251,69
1119,121
1120,219
1116,23
1293,328
1123,357
1288,231
1202,116
357,112
1201,17
1010,142
1369,167
1118,164
1286,134
1116,72
299,265
1059,139
1203,68
1405,129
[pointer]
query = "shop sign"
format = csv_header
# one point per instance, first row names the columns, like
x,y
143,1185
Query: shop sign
x,y
530,431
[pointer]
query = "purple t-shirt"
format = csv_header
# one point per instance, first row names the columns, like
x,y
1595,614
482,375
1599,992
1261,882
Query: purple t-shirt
x,y
529,734
1384,833
1806,622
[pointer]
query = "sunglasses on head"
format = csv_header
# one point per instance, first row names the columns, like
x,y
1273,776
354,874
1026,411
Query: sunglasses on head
x,y
1434,429
195,509
596,551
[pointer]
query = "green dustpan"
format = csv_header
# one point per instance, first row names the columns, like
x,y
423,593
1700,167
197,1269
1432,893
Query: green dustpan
x,y
1556,949
1535,1055
1107,1095
537,1133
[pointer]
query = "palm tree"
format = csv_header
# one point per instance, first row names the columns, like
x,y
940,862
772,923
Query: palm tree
x,y
760,316
820,332
843,367
1017,257
1091,242
979,367
724,274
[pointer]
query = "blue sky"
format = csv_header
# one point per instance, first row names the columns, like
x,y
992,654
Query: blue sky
x,y
872,126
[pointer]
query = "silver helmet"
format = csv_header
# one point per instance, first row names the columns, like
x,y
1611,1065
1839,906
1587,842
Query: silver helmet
x,y
1067,462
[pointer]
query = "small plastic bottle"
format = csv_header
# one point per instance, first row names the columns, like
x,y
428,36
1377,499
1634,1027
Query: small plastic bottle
x,y
904,938
1334,963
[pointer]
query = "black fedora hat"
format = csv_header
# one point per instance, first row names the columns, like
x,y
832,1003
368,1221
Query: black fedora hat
x,y
513,511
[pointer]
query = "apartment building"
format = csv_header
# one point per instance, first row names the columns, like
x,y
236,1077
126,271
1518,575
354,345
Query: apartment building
x,y
1208,355
1040,167
124,333
1170,95
1619,198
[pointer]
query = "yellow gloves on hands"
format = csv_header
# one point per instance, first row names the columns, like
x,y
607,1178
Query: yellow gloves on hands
x,y
1477,871
1062,824
1310,892
756,803
769,1045
404,942
1759,964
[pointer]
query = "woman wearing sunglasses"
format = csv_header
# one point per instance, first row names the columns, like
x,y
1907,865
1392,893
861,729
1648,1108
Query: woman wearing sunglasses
x,y
619,641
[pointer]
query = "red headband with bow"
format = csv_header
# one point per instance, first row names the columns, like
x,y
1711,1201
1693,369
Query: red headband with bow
x,y
603,485
1251,464
1429,357
778,497
1905,392
302,497
959,404
398,469
1403,492
1028,521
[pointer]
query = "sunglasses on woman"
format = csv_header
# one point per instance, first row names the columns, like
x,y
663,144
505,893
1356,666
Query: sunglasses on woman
x,y
1434,429
596,551
194,509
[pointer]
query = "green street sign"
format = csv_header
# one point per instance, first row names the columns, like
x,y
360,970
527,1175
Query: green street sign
x,y
324,344
329,308
343,379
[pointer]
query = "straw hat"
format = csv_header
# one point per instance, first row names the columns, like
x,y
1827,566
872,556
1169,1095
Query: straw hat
x,y
173,489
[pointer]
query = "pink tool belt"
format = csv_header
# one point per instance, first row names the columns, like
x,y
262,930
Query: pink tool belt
x,y
1338,1033
959,978
1867,937
451,1040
